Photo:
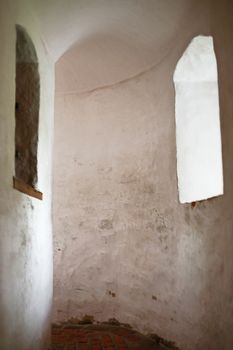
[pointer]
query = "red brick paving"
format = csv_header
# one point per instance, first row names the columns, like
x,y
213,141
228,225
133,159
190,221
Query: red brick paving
x,y
100,337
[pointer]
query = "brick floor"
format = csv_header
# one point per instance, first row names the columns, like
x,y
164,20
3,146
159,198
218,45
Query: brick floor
x,y
100,337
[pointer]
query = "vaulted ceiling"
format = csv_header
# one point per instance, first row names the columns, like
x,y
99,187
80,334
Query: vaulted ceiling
x,y
99,42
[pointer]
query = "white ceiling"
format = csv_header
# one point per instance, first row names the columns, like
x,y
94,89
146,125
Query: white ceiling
x,y
100,42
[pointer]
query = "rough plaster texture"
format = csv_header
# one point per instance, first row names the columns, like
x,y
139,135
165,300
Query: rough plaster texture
x,y
123,245
25,223
198,137
114,262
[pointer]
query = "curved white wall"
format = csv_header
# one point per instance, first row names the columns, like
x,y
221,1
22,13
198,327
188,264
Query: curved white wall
x,y
161,260
124,246
25,223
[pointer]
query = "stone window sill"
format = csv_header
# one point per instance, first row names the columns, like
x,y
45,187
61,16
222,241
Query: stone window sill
x,y
26,189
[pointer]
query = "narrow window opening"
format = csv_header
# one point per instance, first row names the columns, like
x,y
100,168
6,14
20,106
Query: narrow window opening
x,y
27,106
198,135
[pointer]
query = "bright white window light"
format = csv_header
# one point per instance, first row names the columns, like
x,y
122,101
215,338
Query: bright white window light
x,y
198,136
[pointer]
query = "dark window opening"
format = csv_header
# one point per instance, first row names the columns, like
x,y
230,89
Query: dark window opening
x,y
27,106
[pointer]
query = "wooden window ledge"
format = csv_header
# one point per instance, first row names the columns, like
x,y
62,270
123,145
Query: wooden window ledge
x,y
27,189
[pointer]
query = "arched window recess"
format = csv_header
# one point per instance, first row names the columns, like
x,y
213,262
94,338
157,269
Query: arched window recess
x,y
198,134
27,105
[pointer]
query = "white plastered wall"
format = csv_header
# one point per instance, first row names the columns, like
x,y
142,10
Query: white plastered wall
x,y
119,227
25,223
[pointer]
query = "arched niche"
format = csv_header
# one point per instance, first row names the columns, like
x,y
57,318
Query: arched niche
x,y
198,135
27,105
